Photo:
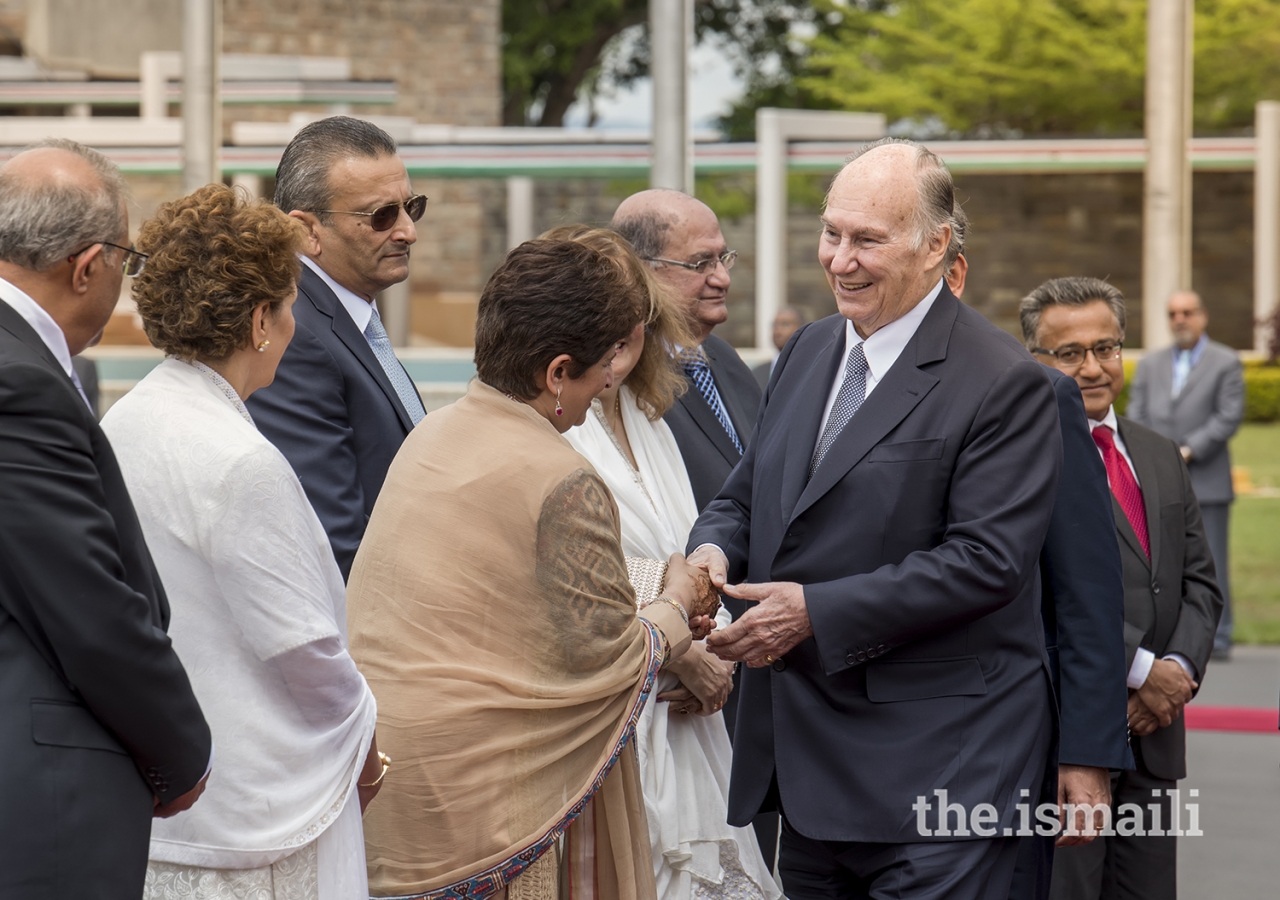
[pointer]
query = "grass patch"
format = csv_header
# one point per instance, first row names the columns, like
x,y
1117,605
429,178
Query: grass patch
x,y
1255,538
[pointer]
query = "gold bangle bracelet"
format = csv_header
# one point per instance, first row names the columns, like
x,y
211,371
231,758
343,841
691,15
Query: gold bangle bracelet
x,y
386,767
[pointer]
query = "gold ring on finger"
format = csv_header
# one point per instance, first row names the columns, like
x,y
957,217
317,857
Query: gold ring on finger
x,y
768,659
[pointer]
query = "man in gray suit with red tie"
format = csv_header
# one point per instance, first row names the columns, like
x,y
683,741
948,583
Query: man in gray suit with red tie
x,y
885,526
341,403
1171,600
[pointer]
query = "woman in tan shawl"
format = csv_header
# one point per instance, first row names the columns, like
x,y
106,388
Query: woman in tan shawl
x,y
492,615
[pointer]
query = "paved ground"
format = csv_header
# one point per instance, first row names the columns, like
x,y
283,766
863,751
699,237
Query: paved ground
x,y
1238,776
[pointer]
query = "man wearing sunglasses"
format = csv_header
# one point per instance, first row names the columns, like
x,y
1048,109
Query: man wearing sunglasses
x,y
341,403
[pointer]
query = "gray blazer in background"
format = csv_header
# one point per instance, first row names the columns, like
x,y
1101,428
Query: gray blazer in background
x,y
1203,417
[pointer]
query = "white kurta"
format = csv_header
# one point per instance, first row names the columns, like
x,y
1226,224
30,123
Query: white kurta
x,y
684,760
259,622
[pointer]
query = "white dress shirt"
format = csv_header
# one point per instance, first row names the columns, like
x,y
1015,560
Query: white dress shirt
x,y
44,325
1143,659
882,349
360,309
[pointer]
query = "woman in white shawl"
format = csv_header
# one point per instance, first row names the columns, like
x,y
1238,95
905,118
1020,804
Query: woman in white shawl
x,y
258,604
681,738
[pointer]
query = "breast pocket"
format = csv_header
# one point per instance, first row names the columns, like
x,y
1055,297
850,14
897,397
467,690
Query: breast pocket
x,y
908,451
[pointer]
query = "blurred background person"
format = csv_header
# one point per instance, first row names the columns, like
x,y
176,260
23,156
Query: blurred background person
x,y
684,759
259,613
101,728
1193,394
492,612
786,323
341,402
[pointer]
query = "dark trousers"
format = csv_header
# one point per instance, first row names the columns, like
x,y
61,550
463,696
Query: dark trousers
x,y
1115,867
1035,867
838,870
1216,516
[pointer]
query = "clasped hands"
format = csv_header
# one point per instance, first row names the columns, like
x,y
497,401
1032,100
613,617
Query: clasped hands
x,y
1160,700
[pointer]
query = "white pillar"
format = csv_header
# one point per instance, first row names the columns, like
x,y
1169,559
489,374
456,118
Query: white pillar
x,y
669,65
1266,219
520,223
154,84
201,109
249,182
771,223
393,309
1166,263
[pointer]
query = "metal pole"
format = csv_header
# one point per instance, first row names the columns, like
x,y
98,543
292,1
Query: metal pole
x,y
771,222
200,119
1165,266
520,226
1266,219
669,65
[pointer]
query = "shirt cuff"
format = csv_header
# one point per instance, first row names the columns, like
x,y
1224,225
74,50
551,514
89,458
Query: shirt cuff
x,y
708,544
1141,668
208,768
1185,663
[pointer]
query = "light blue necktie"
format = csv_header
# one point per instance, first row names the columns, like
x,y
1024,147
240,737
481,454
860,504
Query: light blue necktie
x,y
700,373
376,335
1181,369
75,379
852,392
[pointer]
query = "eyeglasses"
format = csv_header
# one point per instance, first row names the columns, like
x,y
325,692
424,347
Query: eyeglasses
x,y
702,266
133,260
1072,355
384,218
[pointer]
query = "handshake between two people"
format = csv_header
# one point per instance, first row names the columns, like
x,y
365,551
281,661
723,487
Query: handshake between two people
x,y
777,622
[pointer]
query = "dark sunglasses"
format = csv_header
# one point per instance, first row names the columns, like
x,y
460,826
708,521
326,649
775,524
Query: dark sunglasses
x,y
384,218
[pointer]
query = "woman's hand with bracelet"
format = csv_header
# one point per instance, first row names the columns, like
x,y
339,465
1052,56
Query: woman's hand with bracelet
x,y
376,766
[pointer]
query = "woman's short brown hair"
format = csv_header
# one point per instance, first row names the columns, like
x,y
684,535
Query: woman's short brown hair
x,y
545,299
212,257
655,380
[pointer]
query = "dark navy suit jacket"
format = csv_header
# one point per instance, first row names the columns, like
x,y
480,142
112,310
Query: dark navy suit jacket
x,y
917,543
334,415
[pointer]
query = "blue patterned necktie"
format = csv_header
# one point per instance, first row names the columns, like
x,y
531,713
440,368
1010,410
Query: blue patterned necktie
x,y
376,335
1181,369
852,392
695,366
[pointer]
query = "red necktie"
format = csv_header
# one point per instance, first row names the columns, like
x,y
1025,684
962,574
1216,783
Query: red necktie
x,y
1125,487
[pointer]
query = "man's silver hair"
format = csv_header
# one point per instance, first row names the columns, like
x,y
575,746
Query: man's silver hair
x,y
937,191
1074,291
43,222
959,230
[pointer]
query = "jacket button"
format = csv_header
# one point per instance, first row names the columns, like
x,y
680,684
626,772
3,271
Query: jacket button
x,y
862,656
779,665
882,649
851,660
1155,587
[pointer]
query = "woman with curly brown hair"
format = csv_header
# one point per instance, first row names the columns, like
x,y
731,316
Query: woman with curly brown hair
x,y
258,604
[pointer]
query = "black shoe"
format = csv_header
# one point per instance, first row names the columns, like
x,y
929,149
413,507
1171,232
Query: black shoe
x,y
1221,654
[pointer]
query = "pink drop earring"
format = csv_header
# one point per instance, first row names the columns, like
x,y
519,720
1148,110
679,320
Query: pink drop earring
x,y
559,408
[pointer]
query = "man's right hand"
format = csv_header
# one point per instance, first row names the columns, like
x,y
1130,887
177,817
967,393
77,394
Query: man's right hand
x,y
711,559
179,804
1167,689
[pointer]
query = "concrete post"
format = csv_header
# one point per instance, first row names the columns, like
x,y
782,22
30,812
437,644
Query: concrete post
x,y
394,309
669,65
249,182
1166,263
1266,219
201,109
155,67
771,223
520,222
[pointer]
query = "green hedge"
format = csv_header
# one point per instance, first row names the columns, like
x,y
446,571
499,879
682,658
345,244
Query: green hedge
x,y
1261,391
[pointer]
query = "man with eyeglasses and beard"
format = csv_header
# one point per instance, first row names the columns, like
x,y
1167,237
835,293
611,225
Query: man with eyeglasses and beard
x,y
341,403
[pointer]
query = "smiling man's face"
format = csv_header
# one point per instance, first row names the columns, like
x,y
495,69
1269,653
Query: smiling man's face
x,y
868,245
1086,326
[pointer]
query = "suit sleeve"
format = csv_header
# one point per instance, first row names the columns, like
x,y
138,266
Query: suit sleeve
x,y
1082,570
304,413
1228,412
65,585
1201,597
996,521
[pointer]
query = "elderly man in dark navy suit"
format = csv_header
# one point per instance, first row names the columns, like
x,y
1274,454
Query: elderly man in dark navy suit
x,y
341,403
886,523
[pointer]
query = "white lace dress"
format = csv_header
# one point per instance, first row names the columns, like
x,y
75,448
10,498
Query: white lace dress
x,y
259,622
684,760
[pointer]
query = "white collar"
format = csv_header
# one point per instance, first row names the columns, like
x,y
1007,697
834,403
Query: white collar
x,y
886,344
1109,420
360,309
39,319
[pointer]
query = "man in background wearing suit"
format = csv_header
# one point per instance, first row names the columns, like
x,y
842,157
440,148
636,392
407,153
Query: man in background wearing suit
x,y
101,729
1082,606
341,403
1171,599
886,523
1193,394
786,323
712,422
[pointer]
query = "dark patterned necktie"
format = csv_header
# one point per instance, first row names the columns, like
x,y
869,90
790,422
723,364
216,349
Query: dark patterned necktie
x,y
1127,491
700,374
852,392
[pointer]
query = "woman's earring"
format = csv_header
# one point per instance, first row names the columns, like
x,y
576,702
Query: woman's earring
x,y
559,408
262,348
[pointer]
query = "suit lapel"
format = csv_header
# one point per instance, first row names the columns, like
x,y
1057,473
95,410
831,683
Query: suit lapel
x,y
1127,534
12,322
742,419
806,414
1149,480
345,329
897,394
